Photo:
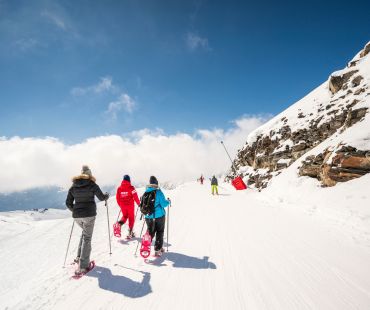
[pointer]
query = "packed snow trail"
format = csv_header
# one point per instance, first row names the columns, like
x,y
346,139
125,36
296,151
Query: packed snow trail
x,y
237,250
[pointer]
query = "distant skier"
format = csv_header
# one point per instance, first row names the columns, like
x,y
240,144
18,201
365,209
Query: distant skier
x,y
156,220
214,184
126,197
80,200
201,179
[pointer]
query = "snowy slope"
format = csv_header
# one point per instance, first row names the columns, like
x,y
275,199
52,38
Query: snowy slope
x,y
327,120
238,250
311,105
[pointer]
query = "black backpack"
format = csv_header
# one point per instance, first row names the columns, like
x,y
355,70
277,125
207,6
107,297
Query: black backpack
x,y
147,202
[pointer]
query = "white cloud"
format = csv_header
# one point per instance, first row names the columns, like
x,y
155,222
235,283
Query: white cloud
x,y
194,42
33,162
26,44
105,85
124,102
55,19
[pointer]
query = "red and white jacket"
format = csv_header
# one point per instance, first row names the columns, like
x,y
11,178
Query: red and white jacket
x,y
126,195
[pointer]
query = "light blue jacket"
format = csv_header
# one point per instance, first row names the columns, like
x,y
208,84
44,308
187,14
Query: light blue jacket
x,y
160,203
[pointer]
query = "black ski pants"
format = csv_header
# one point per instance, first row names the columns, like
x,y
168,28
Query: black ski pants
x,y
156,228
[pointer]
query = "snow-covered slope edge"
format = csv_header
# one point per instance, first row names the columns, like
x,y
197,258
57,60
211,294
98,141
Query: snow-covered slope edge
x,y
332,123
238,250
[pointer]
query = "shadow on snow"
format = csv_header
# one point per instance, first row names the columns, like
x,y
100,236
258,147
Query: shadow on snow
x,y
183,261
138,239
121,284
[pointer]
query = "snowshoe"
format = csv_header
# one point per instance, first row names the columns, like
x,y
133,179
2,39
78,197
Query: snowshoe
x,y
117,230
80,273
146,243
159,252
130,235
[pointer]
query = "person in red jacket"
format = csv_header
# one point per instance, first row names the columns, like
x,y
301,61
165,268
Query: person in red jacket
x,y
126,196
201,179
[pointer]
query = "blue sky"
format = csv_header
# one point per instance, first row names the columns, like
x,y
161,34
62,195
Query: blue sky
x,y
79,69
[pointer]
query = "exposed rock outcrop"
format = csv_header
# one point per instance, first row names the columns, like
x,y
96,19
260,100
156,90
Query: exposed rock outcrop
x,y
365,51
329,167
291,136
338,82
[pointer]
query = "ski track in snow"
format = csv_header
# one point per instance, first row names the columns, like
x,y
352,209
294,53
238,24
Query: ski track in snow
x,y
232,251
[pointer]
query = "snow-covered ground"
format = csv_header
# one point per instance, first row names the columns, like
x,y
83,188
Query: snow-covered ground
x,y
238,250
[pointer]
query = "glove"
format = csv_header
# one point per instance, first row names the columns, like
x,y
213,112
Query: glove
x,y
169,200
106,196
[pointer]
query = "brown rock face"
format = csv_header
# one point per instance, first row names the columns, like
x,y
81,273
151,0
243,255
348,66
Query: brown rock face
x,y
263,154
310,170
365,51
337,82
277,149
357,80
355,162
348,163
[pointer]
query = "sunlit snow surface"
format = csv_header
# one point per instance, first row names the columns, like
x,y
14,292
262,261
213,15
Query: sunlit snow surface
x,y
293,246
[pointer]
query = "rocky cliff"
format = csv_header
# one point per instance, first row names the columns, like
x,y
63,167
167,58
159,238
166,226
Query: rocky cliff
x,y
328,132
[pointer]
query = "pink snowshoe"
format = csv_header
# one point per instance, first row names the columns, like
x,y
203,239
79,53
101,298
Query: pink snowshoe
x,y
79,275
146,243
117,230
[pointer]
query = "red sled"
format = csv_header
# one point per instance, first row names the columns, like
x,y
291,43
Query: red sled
x,y
239,184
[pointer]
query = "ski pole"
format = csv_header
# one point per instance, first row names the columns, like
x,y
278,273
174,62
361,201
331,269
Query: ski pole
x,y
118,215
69,241
232,163
129,268
137,209
140,234
110,246
168,223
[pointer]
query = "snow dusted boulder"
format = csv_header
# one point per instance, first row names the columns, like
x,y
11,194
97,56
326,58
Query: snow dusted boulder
x,y
328,132
357,81
365,51
337,81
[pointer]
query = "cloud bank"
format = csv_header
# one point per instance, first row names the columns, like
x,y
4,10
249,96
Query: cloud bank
x,y
27,163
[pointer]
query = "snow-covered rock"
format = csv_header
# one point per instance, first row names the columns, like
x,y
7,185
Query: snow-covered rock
x,y
332,123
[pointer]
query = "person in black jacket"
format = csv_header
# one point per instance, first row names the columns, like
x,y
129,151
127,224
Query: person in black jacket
x,y
214,184
81,201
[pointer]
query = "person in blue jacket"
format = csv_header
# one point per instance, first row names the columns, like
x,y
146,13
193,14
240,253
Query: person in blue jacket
x,y
156,221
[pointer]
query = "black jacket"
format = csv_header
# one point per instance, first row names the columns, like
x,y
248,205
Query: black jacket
x,y
214,181
82,193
